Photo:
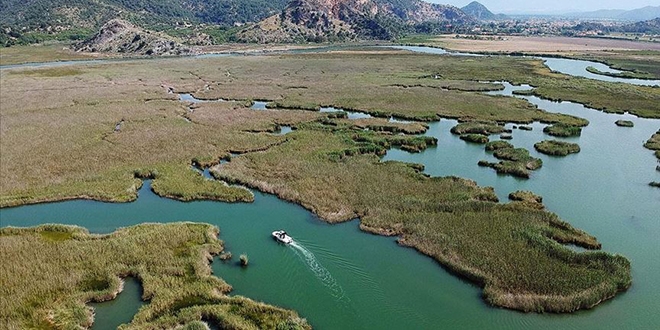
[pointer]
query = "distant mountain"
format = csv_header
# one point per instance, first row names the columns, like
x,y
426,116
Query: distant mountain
x,y
333,20
480,12
598,14
641,14
650,26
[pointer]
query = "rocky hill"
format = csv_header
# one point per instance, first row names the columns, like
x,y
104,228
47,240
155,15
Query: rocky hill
x,y
333,20
119,36
480,12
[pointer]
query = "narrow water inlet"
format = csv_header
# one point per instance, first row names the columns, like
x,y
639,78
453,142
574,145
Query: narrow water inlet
x,y
108,315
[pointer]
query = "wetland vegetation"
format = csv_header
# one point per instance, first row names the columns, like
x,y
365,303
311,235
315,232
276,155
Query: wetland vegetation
x,y
329,165
563,130
62,268
527,197
653,143
557,148
475,138
496,145
513,161
624,123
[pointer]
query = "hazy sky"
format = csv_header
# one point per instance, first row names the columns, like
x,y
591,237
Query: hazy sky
x,y
553,6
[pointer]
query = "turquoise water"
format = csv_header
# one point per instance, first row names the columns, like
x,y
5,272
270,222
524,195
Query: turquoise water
x,y
341,278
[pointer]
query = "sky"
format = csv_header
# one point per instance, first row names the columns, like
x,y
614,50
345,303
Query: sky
x,y
552,6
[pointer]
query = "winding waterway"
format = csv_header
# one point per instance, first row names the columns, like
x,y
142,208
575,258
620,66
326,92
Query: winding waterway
x,y
341,278
571,67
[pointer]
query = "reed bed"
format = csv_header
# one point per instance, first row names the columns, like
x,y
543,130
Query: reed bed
x,y
557,148
624,123
52,271
475,138
562,130
653,143
496,145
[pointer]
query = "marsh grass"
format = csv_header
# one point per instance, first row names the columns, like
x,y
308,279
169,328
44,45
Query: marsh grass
x,y
496,145
66,123
642,101
40,53
474,138
624,74
556,148
528,198
518,155
477,128
511,250
653,143
563,130
513,161
382,125
244,260
50,72
638,64
624,123
63,267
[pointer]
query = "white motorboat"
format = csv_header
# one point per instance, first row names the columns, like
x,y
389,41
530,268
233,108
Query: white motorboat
x,y
282,237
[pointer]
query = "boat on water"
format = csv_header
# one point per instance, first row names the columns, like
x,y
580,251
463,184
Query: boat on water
x,y
282,237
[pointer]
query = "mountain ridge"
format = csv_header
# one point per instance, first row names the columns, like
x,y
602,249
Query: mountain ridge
x,y
637,15
344,20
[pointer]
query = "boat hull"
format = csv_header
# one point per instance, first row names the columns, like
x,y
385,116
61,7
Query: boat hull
x,y
282,237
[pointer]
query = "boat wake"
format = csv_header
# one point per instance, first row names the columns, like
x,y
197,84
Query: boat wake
x,y
321,272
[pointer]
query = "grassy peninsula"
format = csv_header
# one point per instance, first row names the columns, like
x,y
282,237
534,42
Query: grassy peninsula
x,y
63,267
